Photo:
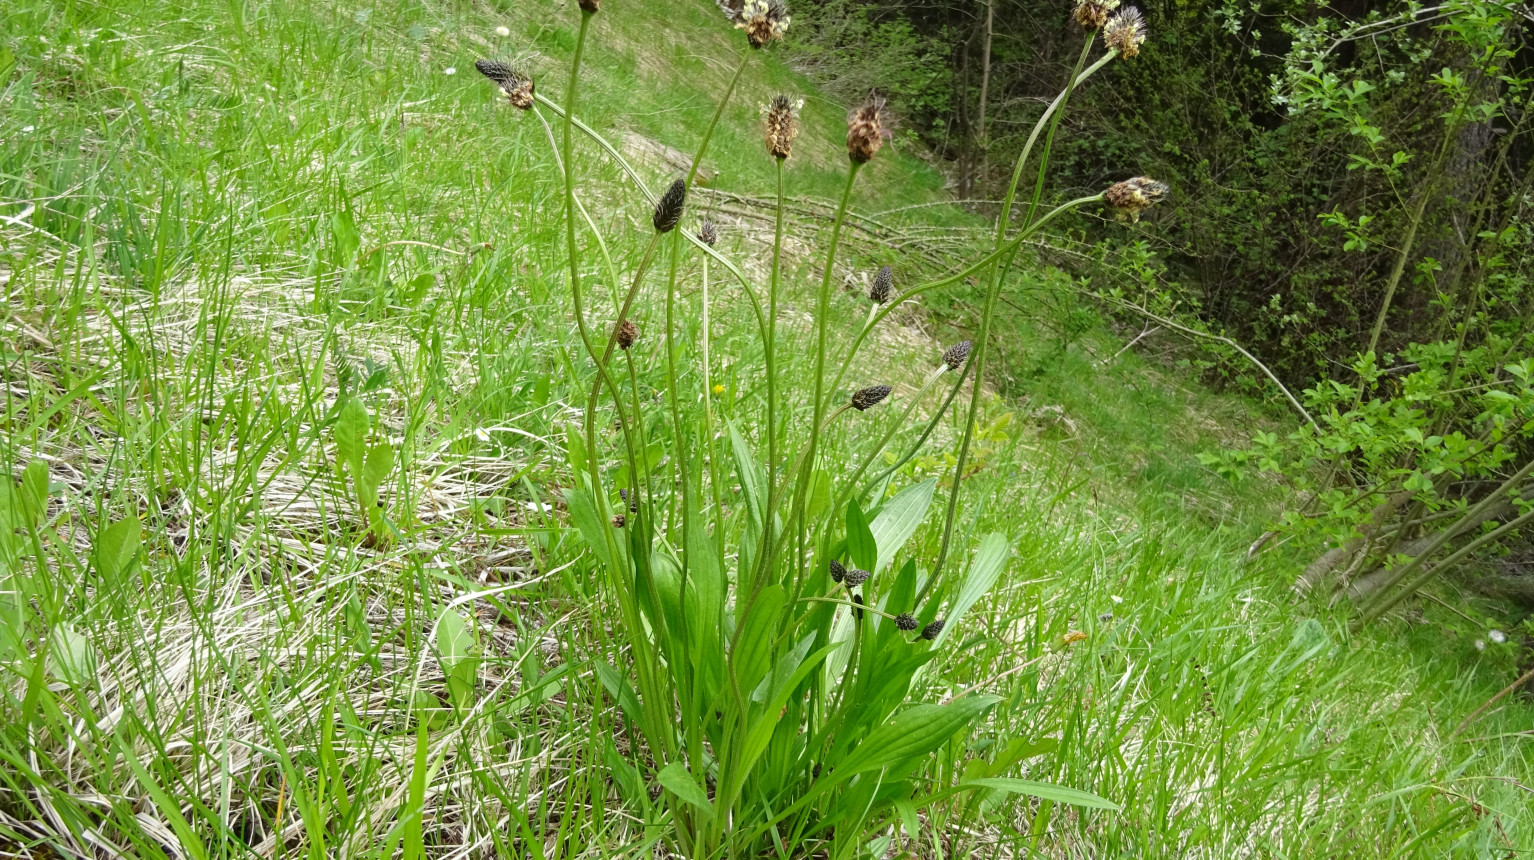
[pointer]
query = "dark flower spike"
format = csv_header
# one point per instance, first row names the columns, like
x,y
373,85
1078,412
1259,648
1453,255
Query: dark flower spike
x,y
1125,32
1093,14
1133,196
854,578
668,212
931,631
590,7
837,571
627,334
867,129
708,234
517,86
780,125
764,21
866,398
956,355
633,501
905,621
857,610
883,284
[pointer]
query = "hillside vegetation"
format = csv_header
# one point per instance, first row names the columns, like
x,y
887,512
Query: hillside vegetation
x,y
295,553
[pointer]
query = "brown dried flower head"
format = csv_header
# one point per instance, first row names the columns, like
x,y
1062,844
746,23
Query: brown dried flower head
x,y
708,234
780,125
867,129
517,86
1092,14
837,571
764,21
627,334
955,356
883,285
590,7
866,398
905,621
619,521
854,578
1133,196
932,630
668,212
1125,32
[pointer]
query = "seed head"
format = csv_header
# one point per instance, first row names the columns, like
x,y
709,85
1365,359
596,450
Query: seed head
x,y
865,398
619,521
764,21
837,571
668,212
932,630
708,234
780,125
905,621
1092,14
517,86
633,501
857,609
1133,196
590,7
627,334
1125,32
883,283
854,578
867,129
956,355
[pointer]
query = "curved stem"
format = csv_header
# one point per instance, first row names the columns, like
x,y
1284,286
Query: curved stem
x,y
888,435
953,393
697,159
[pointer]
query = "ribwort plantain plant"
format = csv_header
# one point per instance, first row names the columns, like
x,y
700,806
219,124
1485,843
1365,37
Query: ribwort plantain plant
x,y
769,697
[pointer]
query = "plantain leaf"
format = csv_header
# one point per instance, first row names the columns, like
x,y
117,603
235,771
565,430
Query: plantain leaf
x,y
116,547
753,653
676,779
990,561
898,519
350,432
912,733
1044,791
34,491
861,546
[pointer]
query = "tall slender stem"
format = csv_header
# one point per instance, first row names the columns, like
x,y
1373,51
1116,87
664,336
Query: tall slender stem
x,y
697,159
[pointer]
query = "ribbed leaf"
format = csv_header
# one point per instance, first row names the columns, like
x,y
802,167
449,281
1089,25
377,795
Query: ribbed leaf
x,y
990,561
915,732
898,519
1045,791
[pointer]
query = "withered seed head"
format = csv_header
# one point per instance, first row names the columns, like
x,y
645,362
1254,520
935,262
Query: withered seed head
x,y
517,86
633,502
837,571
619,521
866,398
780,125
905,621
932,630
854,578
764,21
708,234
883,283
668,212
627,334
1133,196
1092,14
590,7
857,610
956,355
1125,32
867,129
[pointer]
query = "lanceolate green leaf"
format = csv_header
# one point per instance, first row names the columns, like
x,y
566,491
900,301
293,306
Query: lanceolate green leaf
x,y
990,561
914,732
676,779
116,547
1045,791
898,519
860,540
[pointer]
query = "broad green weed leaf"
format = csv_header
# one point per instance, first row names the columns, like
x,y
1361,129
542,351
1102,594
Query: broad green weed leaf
x,y
583,512
754,651
675,778
618,687
351,433
455,651
34,491
861,546
751,479
990,561
898,519
117,547
71,657
1045,791
820,495
912,733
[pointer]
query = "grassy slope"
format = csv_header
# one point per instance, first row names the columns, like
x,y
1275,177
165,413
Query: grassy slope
x,y
182,314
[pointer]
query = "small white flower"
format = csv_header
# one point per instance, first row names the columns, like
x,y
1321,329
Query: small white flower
x,y
481,435
1480,644
503,31
1115,598
449,71
1496,636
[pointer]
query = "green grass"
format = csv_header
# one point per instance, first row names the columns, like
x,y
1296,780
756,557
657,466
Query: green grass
x,y
261,677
